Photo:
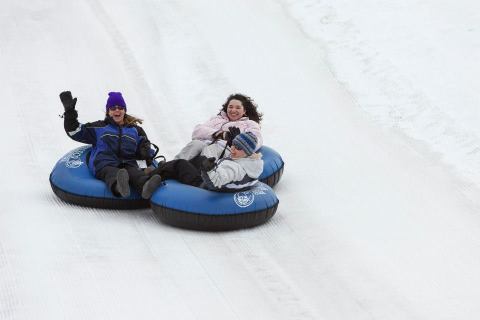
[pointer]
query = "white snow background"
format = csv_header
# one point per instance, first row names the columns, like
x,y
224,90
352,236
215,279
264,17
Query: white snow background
x,y
373,105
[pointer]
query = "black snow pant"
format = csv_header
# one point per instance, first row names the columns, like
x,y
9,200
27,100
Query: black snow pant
x,y
185,171
136,177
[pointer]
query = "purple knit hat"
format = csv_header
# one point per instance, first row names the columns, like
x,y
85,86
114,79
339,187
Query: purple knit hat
x,y
115,99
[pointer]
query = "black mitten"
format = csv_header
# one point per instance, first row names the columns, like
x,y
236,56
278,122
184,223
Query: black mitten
x,y
231,134
207,164
68,101
70,114
145,150
218,135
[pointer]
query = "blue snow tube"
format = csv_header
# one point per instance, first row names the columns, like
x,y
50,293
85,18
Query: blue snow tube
x,y
272,166
72,181
195,208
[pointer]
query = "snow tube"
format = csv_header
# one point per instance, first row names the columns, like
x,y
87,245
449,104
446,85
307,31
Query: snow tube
x,y
272,166
194,208
72,181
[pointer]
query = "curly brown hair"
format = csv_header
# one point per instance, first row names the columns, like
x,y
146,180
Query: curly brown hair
x,y
249,105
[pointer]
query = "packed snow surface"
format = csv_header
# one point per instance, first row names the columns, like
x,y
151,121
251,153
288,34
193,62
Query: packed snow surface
x,y
373,105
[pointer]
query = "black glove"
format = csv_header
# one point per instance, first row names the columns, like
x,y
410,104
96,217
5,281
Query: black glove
x,y
231,134
144,150
68,101
207,164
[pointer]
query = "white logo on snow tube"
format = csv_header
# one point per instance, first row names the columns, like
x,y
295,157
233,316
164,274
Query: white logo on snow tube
x,y
259,189
74,164
244,199
72,160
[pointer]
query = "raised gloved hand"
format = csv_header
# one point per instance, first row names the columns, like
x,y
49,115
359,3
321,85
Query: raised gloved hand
x,y
231,134
68,101
207,164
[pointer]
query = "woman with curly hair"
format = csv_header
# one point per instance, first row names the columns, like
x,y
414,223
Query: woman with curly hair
x,y
238,114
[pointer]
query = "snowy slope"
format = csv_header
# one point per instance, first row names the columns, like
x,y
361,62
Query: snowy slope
x,y
371,223
412,66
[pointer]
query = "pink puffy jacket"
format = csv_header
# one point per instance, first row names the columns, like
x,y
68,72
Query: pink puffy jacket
x,y
222,123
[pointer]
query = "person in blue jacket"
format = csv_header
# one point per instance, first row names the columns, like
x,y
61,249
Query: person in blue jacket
x,y
117,143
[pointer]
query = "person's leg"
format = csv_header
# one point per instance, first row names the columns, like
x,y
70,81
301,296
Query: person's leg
x,y
168,170
137,178
215,150
188,173
197,161
116,180
151,185
144,183
181,170
192,149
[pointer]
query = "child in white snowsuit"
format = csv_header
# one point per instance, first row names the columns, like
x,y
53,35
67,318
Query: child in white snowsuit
x,y
238,171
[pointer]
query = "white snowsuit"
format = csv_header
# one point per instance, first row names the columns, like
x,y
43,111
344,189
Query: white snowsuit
x,y
234,174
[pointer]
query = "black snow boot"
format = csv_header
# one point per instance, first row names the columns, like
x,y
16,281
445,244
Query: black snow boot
x,y
122,186
151,185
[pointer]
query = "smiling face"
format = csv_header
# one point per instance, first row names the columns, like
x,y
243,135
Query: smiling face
x,y
117,114
235,110
236,153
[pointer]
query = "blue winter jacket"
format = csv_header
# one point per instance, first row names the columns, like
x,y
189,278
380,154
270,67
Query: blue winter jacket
x,y
112,145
